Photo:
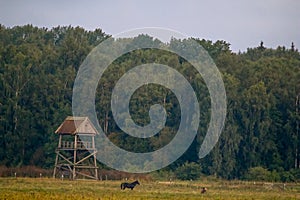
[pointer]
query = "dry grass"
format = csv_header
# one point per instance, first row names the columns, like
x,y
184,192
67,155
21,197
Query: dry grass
x,y
44,188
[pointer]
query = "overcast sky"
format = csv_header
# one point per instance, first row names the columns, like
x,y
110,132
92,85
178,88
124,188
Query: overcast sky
x,y
241,23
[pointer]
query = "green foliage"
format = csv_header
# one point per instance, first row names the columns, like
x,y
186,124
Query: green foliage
x,y
296,174
188,171
287,177
262,174
258,174
37,71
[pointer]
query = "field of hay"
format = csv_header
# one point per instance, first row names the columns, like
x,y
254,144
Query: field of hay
x,y
47,188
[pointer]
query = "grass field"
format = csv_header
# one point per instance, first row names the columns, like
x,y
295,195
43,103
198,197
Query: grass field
x,y
44,188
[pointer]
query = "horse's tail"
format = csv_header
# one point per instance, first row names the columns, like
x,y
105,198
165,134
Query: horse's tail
x,y
122,186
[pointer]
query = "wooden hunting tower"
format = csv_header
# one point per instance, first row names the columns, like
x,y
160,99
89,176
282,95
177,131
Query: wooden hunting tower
x,y
76,151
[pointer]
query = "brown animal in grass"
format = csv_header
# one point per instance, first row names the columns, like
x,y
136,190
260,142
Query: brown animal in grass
x,y
203,190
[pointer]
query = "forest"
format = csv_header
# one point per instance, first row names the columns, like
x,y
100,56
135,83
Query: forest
x,y
260,139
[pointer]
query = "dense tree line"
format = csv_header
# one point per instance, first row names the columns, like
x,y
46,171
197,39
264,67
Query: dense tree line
x,y
37,71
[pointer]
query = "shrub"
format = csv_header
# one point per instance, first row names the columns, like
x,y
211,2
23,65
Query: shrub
x,y
296,174
275,176
287,177
188,171
258,174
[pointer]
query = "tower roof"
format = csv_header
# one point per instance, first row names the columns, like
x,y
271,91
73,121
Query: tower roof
x,y
76,125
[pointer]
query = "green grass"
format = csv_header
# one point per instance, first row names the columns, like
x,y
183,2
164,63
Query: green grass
x,y
29,188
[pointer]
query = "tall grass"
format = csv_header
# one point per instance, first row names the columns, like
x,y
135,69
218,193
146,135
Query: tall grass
x,y
47,188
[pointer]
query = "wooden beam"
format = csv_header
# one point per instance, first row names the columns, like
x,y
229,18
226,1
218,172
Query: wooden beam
x,y
66,159
83,159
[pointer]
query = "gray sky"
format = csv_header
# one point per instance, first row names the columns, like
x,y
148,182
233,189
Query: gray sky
x,y
241,23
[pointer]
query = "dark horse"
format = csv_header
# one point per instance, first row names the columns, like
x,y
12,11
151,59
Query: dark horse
x,y
129,185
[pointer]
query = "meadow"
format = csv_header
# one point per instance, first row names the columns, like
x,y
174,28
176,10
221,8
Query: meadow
x,y
47,188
